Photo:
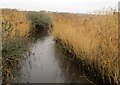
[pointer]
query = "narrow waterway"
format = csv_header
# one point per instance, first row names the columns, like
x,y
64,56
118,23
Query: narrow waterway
x,y
44,63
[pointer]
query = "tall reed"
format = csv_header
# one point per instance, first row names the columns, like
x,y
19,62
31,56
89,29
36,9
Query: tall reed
x,y
94,39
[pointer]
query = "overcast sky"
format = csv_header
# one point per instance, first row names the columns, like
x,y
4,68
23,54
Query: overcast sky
x,y
81,6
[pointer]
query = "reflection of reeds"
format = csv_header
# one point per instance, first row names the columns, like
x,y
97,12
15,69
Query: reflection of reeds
x,y
94,38
70,66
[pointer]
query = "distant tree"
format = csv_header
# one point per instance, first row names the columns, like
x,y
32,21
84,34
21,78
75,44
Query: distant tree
x,y
40,20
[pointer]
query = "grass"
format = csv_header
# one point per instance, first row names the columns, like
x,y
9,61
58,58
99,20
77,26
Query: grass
x,y
94,39
18,31
15,32
13,20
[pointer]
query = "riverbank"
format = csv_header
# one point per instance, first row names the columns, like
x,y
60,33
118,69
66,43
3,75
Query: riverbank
x,y
19,30
89,40
15,41
25,59
92,40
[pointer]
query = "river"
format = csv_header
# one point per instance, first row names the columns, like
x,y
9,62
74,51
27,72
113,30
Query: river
x,y
45,63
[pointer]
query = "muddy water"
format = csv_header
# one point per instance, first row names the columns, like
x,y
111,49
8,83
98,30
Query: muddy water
x,y
45,63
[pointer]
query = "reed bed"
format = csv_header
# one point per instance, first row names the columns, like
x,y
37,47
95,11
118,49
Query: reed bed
x,y
94,39
14,21
15,41
19,29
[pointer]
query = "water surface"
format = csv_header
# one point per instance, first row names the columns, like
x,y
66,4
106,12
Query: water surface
x,y
44,63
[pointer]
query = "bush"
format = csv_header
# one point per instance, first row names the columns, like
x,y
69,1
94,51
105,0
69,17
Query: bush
x,y
40,20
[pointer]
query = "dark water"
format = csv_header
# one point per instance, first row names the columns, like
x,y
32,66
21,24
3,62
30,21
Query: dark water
x,y
45,63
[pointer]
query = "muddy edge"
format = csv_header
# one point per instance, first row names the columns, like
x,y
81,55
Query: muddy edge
x,y
91,71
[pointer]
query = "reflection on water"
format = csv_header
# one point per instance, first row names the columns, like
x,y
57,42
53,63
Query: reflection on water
x,y
45,63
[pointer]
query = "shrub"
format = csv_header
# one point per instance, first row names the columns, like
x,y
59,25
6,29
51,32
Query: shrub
x,y
39,20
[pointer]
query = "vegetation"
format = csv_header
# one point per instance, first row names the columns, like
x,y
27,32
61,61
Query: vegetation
x,y
39,20
16,37
94,41
90,39
15,29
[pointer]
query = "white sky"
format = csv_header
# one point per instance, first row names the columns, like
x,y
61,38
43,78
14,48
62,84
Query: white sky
x,y
81,6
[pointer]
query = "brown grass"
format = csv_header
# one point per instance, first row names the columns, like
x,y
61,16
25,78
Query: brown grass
x,y
14,22
15,28
95,37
